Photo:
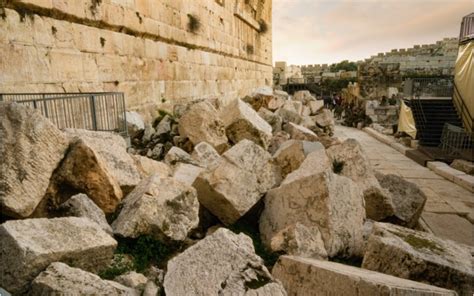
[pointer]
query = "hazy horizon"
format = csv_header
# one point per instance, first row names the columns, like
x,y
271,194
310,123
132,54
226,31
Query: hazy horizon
x,y
329,31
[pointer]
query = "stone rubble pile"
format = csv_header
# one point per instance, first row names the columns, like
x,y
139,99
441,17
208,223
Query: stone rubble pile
x,y
205,201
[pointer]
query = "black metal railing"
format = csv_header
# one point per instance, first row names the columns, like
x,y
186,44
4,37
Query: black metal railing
x,y
432,87
101,111
456,142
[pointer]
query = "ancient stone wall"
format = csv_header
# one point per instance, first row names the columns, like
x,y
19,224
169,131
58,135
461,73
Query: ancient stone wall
x,y
150,49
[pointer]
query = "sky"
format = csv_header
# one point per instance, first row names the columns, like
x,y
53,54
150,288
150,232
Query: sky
x,y
329,31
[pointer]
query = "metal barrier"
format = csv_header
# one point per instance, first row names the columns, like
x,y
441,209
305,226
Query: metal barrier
x,y
93,111
455,141
432,87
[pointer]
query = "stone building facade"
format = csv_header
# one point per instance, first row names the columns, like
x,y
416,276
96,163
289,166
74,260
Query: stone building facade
x,y
157,52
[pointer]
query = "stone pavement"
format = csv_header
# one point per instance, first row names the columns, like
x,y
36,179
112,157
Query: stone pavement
x,y
449,210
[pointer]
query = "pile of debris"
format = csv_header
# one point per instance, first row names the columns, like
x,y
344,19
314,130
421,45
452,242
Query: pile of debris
x,y
256,179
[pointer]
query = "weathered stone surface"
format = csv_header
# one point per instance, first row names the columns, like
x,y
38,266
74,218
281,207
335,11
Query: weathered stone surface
x,y
324,118
242,176
85,171
29,246
289,114
205,155
303,96
113,150
201,123
289,156
133,280
177,155
303,276
315,162
82,206
301,241
147,167
463,166
276,141
158,206
324,200
273,119
315,106
31,148
186,173
419,256
230,264
276,103
60,279
242,122
135,123
407,198
298,132
356,166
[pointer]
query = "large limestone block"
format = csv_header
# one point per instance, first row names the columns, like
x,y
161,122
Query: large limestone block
x,y
292,153
419,256
289,113
315,106
201,123
303,276
186,173
112,148
223,263
29,246
205,155
31,148
135,123
315,162
299,132
60,279
244,173
329,202
147,167
273,119
159,206
301,241
324,118
82,206
85,171
407,198
242,122
356,166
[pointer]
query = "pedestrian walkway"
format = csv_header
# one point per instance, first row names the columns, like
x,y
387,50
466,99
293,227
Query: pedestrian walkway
x,y
449,210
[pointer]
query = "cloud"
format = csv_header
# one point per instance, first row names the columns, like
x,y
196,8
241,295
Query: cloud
x,y
315,31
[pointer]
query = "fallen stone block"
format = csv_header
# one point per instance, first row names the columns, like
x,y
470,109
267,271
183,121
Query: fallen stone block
x,y
273,119
315,106
315,162
82,206
463,166
289,114
147,167
238,181
205,155
242,122
60,279
132,279
304,276
161,207
29,246
135,123
31,148
419,256
324,200
292,153
177,155
407,198
202,123
275,103
186,173
230,264
113,150
84,170
298,240
349,160
324,118
298,132
276,141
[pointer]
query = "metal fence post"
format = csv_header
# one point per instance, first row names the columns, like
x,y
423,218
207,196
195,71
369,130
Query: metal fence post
x,y
93,114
